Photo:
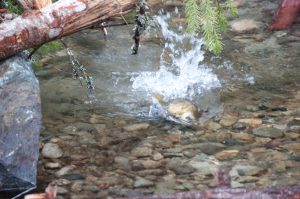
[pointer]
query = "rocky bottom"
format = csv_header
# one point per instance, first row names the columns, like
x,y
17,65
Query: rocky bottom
x,y
250,145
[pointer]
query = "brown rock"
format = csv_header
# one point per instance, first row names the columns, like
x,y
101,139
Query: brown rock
x,y
244,25
151,164
226,154
243,137
158,156
136,127
253,122
174,138
228,120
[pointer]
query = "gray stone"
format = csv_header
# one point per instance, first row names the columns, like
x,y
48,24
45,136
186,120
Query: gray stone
x,y
142,152
65,170
294,125
204,164
180,167
269,132
136,127
20,123
211,148
52,165
228,120
142,182
62,191
122,161
51,150
244,170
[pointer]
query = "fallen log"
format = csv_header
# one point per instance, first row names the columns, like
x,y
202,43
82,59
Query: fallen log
x,y
36,27
286,14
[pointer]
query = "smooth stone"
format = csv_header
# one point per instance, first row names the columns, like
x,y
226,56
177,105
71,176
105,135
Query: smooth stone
x,y
91,188
62,191
73,176
295,147
205,165
157,156
213,126
142,182
228,120
152,172
245,170
243,137
137,165
211,148
244,25
142,152
122,161
294,125
253,122
183,109
150,164
174,138
180,167
77,186
227,154
51,150
269,132
220,137
136,127
53,165
65,170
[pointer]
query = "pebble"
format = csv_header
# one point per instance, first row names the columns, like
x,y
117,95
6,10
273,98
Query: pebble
x,y
269,132
243,137
180,167
205,165
244,170
226,154
244,25
51,150
136,127
213,126
294,125
150,164
295,147
142,182
53,165
183,109
65,170
62,191
142,152
77,186
211,148
228,120
122,161
253,122
157,156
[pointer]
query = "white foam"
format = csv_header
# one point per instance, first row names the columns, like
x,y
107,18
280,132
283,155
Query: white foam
x,y
185,76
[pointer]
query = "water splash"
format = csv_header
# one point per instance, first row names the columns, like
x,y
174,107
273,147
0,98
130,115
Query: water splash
x,y
181,74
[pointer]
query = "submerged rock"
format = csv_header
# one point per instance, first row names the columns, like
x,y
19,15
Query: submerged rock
x,y
269,132
51,150
183,110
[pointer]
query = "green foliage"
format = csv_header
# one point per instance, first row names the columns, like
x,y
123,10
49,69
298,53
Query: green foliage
x,y
209,17
12,6
50,47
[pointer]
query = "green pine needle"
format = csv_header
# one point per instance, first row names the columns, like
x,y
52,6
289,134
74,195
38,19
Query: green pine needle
x,y
208,17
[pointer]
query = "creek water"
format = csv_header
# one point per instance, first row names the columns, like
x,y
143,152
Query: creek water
x,y
253,84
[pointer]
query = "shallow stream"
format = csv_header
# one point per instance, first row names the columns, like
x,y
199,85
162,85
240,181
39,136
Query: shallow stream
x,y
116,146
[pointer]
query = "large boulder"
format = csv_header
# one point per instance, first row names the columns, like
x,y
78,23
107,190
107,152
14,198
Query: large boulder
x,y
20,122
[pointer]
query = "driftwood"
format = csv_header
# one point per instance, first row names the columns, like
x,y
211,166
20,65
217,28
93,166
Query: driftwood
x,y
286,14
34,4
36,27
